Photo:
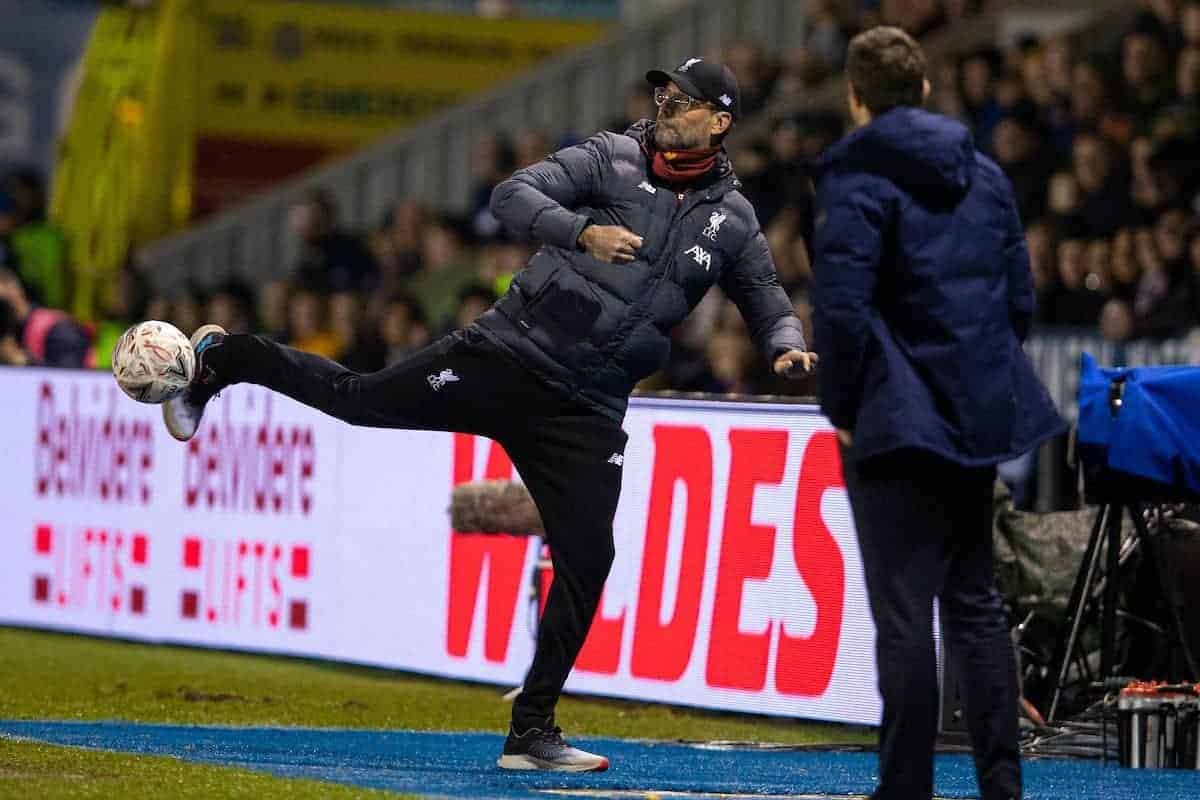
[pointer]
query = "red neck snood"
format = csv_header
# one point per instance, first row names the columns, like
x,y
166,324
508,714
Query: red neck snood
x,y
677,167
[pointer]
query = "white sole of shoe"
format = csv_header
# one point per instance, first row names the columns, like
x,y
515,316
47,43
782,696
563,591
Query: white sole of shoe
x,y
168,409
523,762
171,423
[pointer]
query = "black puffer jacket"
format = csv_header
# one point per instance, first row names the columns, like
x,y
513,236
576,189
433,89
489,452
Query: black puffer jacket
x,y
594,329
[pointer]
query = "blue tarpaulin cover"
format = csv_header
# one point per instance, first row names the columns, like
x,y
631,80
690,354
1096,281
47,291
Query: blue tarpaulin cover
x,y
1156,432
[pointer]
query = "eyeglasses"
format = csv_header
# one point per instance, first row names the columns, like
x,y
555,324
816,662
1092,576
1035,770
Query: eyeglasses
x,y
679,102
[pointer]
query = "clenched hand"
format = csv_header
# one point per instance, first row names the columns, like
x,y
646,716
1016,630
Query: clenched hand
x,y
786,363
610,243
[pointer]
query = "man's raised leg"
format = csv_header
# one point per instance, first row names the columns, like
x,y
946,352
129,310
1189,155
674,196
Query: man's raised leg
x,y
449,385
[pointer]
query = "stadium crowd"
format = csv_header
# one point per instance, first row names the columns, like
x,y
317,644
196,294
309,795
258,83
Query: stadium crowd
x,y
1097,146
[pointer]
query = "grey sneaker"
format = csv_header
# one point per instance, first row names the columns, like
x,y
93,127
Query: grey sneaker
x,y
545,749
182,413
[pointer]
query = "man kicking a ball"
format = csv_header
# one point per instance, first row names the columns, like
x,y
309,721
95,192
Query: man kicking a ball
x,y
635,229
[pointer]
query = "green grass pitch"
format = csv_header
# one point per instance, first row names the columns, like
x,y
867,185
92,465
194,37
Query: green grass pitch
x,y
60,676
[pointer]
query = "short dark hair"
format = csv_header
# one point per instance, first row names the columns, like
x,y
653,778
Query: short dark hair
x,y
886,67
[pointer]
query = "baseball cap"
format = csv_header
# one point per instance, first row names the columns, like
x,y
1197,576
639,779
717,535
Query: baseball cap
x,y
703,80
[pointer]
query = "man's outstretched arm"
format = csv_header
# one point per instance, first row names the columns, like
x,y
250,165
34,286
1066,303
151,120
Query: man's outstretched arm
x,y
753,286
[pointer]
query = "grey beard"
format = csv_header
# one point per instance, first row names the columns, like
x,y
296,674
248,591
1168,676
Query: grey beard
x,y
678,143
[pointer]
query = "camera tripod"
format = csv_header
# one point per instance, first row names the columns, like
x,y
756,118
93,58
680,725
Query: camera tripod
x,y
1096,591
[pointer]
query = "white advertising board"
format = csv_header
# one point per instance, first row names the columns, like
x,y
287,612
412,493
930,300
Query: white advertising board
x,y
737,583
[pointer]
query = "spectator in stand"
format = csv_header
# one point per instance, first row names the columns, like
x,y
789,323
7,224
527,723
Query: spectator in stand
x,y
50,337
1104,198
1091,109
752,73
499,262
945,89
345,313
1062,199
1182,117
799,72
397,243
1021,153
445,270
329,256
1145,190
1170,240
472,302
308,324
187,309
1123,266
1026,80
491,162
273,308
40,247
158,306
1189,24
1116,321
916,17
231,305
784,173
977,74
355,328
1176,172
1161,19
402,328
11,353
1077,301
824,36
1042,246
1165,304
531,145
1146,78
1154,284
1097,257
1058,53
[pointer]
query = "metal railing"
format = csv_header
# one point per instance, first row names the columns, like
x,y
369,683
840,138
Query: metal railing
x,y
1055,356
578,91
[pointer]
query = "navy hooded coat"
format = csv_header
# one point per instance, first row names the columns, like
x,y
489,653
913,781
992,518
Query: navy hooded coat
x,y
923,295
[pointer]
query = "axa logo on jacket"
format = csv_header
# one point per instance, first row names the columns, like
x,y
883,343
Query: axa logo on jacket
x,y
702,256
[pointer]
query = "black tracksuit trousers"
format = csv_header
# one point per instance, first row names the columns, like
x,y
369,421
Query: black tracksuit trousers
x,y
562,449
925,530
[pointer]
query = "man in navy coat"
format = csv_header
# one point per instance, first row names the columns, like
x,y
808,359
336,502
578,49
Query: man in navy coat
x,y
921,299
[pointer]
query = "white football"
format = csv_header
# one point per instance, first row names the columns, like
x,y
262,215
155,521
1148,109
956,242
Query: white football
x,y
153,361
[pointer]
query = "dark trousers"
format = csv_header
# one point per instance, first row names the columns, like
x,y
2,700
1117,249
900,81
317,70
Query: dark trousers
x,y
925,530
463,383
